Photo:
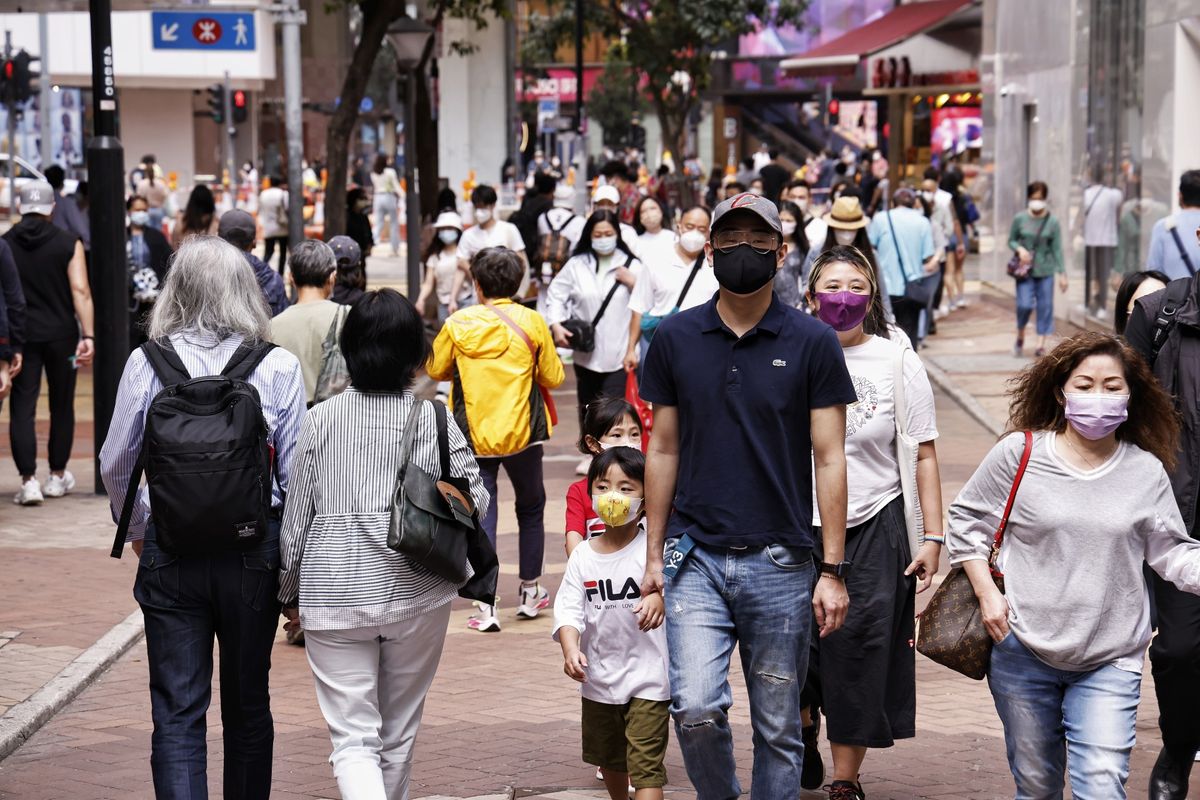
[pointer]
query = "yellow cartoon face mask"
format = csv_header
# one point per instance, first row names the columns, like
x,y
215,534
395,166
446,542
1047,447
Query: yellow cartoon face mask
x,y
616,509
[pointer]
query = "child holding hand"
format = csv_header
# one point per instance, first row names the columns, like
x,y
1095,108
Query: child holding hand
x,y
612,637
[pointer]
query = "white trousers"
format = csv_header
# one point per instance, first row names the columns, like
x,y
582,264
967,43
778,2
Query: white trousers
x,y
371,686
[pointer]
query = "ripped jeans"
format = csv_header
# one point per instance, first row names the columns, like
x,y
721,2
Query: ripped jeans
x,y
761,600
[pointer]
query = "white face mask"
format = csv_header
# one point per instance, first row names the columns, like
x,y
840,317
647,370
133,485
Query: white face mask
x,y
620,443
803,204
448,236
928,196
692,242
139,218
483,215
789,228
845,238
605,245
1037,206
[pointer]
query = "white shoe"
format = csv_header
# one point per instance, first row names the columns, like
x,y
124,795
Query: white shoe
x,y
30,494
487,621
1101,313
57,487
944,309
583,466
962,303
533,599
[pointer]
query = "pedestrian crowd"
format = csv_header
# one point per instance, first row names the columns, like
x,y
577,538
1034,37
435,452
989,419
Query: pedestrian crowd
x,y
783,497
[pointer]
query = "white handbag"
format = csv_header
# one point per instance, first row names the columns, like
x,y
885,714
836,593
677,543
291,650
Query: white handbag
x,y
906,457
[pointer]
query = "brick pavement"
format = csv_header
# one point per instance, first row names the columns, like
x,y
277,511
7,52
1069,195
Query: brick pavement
x,y
500,717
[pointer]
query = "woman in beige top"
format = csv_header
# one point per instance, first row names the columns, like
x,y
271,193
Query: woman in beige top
x,y
156,193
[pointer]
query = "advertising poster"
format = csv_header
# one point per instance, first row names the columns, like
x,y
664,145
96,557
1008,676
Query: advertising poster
x,y
956,129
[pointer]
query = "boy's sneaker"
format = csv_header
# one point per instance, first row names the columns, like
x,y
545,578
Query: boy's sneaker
x,y
58,486
30,494
845,790
533,599
486,621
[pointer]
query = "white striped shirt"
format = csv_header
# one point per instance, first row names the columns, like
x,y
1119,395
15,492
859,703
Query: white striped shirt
x,y
334,558
280,386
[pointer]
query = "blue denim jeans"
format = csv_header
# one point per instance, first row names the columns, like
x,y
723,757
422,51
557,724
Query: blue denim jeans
x,y
1082,722
759,599
1041,292
187,601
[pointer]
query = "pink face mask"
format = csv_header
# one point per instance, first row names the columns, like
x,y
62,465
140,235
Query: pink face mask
x,y
842,311
1094,416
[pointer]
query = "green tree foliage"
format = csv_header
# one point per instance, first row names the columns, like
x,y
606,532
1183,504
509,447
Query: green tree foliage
x,y
615,99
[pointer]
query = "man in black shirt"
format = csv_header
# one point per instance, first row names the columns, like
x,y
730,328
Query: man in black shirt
x,y
774,177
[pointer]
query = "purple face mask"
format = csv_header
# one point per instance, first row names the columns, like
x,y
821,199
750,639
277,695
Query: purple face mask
x,y
843,311
1094,416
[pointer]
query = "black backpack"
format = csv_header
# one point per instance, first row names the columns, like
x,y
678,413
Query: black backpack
x,y
205,453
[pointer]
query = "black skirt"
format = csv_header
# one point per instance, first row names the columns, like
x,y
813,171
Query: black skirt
x,y
865,673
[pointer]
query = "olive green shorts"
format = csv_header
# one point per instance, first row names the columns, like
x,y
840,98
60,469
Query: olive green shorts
x,y
628,738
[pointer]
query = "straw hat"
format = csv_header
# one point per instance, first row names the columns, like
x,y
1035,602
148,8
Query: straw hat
x,y
449,219
846,215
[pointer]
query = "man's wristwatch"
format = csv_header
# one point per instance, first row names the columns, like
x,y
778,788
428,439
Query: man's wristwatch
x,y
840,570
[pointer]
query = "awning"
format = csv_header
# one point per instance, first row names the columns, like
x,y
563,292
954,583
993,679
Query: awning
x,y
843,54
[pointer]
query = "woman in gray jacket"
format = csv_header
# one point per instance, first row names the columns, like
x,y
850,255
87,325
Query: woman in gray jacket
x,y
374,621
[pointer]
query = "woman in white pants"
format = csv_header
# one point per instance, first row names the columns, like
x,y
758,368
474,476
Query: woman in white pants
x,y
374,621
386,204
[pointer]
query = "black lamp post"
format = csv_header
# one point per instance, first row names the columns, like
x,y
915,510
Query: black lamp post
x,y
408,37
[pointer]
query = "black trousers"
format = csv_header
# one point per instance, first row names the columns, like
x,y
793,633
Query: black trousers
x,y
1098,264
590,385
1175,663
282,242
908,316
55,358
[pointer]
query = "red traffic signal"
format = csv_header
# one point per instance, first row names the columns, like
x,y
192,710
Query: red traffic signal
x,y
238,100
10,69
833,108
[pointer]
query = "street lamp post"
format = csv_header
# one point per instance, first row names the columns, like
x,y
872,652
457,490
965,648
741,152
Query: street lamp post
x,y
408,38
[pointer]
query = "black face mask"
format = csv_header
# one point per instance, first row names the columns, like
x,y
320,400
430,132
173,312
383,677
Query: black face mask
x,y
744,270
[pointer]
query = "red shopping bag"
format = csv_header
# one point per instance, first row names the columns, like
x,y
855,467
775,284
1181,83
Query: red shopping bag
x,y
644,412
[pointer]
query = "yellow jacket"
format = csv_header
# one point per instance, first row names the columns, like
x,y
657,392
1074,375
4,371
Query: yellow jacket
x,y
494,399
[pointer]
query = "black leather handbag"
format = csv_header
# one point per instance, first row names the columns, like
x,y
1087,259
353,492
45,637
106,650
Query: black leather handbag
x,y
432,521
583,333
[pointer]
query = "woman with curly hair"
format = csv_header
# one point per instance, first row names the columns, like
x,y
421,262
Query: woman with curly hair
x,y
1072,625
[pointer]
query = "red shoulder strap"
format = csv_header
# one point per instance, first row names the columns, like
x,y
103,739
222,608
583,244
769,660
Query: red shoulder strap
x,y
1012,496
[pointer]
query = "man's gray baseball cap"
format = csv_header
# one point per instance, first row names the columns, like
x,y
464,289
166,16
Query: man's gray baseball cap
x,y
752,203
37,197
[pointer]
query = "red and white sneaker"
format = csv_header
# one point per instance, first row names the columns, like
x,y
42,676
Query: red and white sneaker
x,y
486,621
533,599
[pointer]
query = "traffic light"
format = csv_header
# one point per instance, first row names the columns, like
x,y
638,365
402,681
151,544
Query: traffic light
x,y
8,84
833,111
239,106
216,102
24,86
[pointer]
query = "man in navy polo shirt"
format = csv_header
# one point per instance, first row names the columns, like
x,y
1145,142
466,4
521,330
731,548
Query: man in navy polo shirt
x,y
749,398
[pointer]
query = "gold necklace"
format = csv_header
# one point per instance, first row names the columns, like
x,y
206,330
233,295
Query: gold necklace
x,y
1087,460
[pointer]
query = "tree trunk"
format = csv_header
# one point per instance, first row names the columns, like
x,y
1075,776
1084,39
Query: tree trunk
x,y
377,16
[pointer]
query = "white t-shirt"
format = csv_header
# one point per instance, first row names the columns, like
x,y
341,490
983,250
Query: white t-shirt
x,y
272,212
596,598
444,265
656,247
872,472
1102,206
501,234
815,231
661,282
385,182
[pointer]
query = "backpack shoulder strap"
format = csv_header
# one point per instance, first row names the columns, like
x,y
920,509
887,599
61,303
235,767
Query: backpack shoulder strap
x,y
1183,253
135,479
560,228
1174,296
246,359
165,362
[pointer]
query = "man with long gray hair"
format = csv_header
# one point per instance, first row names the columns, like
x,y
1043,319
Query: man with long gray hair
x,y
209,316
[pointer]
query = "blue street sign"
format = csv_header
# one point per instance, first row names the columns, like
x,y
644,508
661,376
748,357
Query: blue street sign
x,y
205,30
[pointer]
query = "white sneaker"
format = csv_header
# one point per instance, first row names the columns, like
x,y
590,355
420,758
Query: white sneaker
x,y
30,494
583,466
533,599
57,487
486,622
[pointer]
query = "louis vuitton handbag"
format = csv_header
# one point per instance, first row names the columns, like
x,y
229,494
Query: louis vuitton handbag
x,y
952,632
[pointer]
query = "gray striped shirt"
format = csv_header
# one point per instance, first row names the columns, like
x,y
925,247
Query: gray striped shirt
x,y
334,557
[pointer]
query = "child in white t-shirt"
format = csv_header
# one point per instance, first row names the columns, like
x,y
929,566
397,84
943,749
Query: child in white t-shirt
x,y
612,637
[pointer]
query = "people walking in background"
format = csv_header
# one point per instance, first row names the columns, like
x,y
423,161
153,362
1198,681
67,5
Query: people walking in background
x,y
148,254
273,214
788,281
940,206
386,203
488,231
374,621
441,264
67,213
237,227
500,355
616,648
608,198
302,329
198,218
799,192
903,241
1036,238
351,281
1095,503
59,337
157,193
773,175
208,314
1135,286
1101,210
656,236
616,174
358,224
739,538
868,668
1174,249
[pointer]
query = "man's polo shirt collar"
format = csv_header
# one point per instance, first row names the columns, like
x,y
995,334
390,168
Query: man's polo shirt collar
x,y
772,321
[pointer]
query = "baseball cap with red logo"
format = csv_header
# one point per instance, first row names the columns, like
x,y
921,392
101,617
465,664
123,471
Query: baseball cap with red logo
x,y
748,203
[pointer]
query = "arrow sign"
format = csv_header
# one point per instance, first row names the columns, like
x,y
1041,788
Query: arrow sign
x,y
169,33
204,30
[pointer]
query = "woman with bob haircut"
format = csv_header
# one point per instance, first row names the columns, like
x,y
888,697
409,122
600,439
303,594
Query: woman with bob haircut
x,y
1073,622
209,307
374,621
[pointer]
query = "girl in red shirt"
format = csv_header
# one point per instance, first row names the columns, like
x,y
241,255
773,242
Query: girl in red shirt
x,y
607,422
